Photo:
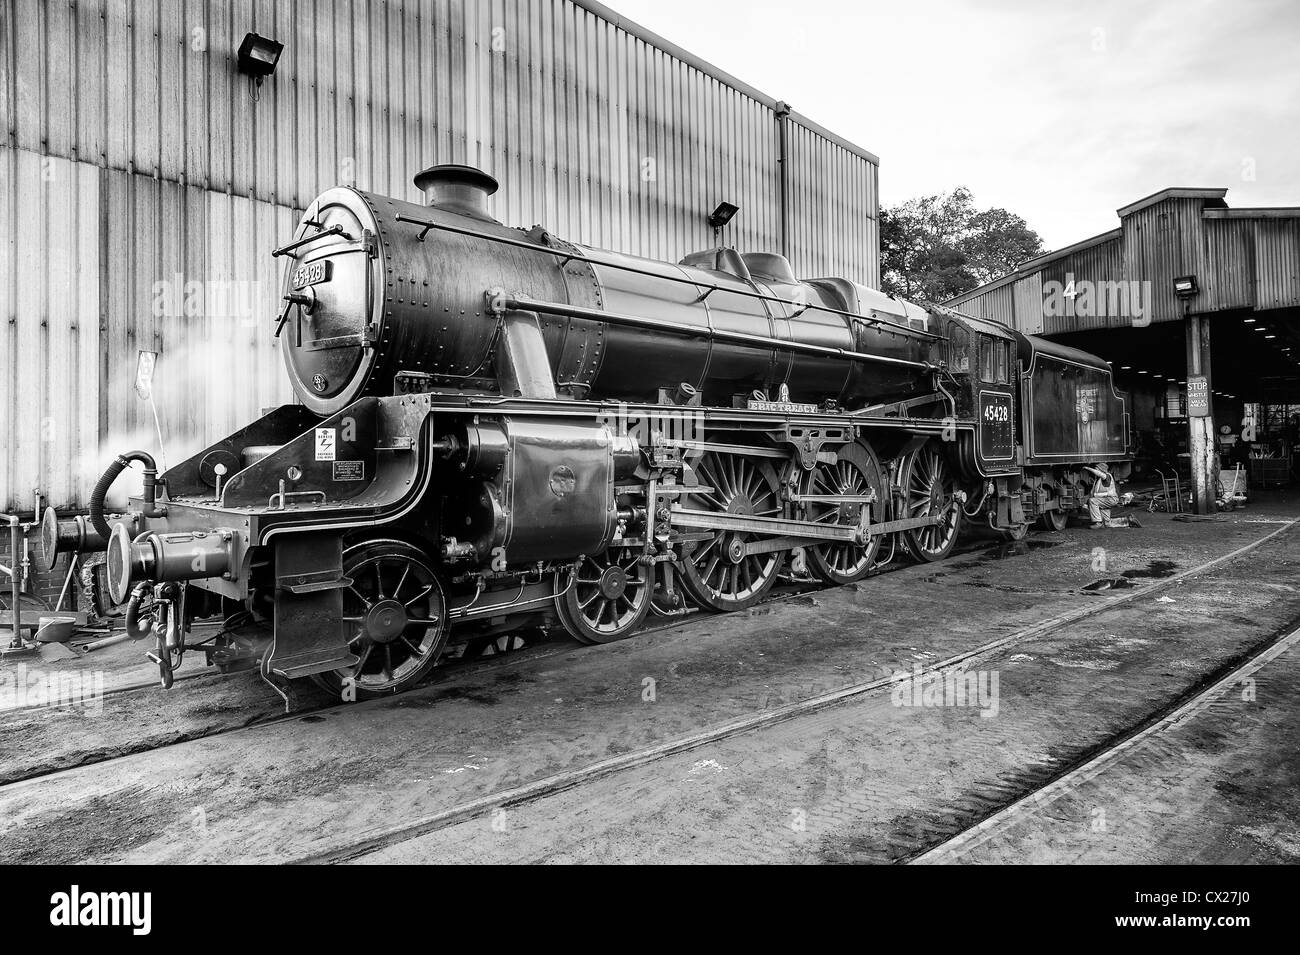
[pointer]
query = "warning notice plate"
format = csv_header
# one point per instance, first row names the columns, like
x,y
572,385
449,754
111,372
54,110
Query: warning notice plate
x,y
326,446
349,470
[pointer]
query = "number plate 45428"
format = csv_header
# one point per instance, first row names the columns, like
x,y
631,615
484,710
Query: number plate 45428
x,y
311,273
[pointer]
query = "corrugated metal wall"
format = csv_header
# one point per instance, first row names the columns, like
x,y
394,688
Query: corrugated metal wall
x,y
1160,243
1100,265
1026,301
830,230
145,181
51,343
1268,246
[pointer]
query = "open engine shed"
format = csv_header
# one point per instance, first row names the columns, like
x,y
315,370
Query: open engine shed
x,y
1195,305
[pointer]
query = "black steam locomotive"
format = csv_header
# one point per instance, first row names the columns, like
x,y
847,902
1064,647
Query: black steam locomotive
x,y
497,427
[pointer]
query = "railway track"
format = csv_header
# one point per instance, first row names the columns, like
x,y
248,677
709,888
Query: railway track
x,y
1197,700
560,782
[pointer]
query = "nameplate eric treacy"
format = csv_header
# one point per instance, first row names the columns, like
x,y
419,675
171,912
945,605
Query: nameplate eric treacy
x,y
782,407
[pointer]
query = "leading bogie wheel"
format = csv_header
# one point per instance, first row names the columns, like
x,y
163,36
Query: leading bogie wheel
x,y
719,573
607,597
930,489
396,618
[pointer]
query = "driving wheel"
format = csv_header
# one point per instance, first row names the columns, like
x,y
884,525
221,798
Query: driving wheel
x,y
930,490
721,573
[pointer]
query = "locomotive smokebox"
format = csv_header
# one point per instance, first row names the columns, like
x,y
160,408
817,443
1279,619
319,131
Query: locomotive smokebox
x,y
458,189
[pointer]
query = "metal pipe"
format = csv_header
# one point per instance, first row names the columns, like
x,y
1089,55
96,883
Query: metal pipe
x,y
115,468
67,579
108,642
708,334
782,118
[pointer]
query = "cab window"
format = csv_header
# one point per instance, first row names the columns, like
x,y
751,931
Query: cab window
x,y
958,344
986,358
1000,352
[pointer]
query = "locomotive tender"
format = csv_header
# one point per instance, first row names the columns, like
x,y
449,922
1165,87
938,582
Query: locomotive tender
x,y
498,427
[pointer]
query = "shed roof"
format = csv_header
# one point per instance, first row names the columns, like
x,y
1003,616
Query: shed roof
x,y
1213,197
1214,206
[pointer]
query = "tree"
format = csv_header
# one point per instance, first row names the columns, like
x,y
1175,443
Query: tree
x,y
935,247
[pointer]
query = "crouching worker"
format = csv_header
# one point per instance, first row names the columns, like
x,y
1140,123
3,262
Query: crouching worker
x,y
1104,496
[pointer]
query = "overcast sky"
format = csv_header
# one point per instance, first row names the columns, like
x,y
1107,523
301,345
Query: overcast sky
x,y
1059,111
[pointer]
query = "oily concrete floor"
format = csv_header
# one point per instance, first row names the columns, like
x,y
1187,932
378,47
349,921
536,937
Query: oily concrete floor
x,y
864,781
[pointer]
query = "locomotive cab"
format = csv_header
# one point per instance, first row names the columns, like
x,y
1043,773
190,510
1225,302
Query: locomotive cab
x,y
982,359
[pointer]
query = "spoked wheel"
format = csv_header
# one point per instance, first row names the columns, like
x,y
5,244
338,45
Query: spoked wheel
x,y
929,487
857,472
717,573
395,614
1055,520
609,596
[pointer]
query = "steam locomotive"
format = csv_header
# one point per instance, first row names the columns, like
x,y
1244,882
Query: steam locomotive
x,y
498,428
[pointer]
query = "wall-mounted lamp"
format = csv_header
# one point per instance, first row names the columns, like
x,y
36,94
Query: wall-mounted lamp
x,y
258,56
720,216
1185,286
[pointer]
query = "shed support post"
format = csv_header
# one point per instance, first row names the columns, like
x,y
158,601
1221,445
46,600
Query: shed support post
x,y
1201,428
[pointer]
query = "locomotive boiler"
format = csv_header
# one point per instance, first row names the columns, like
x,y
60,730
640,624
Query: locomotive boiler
x,y
496,427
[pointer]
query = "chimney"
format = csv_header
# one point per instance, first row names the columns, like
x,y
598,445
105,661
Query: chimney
x,y
462,190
